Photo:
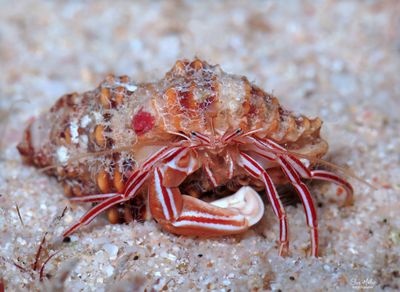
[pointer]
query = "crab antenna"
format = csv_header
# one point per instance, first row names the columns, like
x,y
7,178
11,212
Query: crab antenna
x,y
203,138
179,134
212,131
252,132
234,134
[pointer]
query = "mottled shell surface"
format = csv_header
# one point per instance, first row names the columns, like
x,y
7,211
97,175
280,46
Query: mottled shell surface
x,y
92,141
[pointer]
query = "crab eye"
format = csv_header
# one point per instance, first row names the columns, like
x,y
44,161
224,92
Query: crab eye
x,y
238,131
194,134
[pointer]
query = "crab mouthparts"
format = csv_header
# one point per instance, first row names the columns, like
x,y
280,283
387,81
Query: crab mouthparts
x,y
246,201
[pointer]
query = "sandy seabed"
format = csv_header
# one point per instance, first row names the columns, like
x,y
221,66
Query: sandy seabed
x,y
339,60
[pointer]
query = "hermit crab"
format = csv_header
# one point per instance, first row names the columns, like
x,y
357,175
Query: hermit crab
x,y
195,131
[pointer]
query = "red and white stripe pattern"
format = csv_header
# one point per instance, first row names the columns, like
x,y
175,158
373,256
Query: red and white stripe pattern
x,y
226,138
165,197
256,170
173,161
134,183
201,138
210,221
188,215
302,170
306,199
210,175
92,213
137,182
329,176
93,198
164,153
300,167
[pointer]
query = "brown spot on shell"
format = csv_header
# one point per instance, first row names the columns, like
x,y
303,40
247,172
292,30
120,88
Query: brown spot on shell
x,y
103,182
197,65
99,136
124,79
179,68
77,191
67,135
128,216
119,95
118,181
72,99
105,97
67,190
60,171
113,215
110,79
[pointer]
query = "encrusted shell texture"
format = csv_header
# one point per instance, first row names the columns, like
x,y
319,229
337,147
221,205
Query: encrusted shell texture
x,y
92,141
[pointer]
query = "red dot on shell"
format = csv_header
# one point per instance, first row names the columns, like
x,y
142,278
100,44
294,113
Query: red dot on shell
x,y
142,122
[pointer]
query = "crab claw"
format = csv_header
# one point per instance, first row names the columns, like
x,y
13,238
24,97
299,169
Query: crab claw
x,y
246,201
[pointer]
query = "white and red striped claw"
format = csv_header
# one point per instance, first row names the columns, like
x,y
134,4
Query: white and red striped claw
x,y
186,215
247,201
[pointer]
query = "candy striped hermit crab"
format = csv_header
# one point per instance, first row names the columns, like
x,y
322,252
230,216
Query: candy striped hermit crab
x,y
193,131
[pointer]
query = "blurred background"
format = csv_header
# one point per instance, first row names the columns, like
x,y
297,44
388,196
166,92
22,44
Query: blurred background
x,y
339,60
337,54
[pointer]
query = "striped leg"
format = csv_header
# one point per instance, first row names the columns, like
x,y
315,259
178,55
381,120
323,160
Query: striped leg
x,y
93,198
256,170
134,183
293,169
322,175
137,181
210,175
329,176
305,172
306,199
92,213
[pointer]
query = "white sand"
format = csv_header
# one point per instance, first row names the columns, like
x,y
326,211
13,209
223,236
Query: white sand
x,y
338,60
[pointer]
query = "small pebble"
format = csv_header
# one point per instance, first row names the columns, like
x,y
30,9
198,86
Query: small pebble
x,y
226,282
109,270
112,250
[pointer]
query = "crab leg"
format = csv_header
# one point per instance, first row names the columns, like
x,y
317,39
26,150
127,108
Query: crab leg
x,y
117,199
305,172
329,176
256,170
111,201
210,175
134,183
93,198
322,175
306,199
292,169
92,213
